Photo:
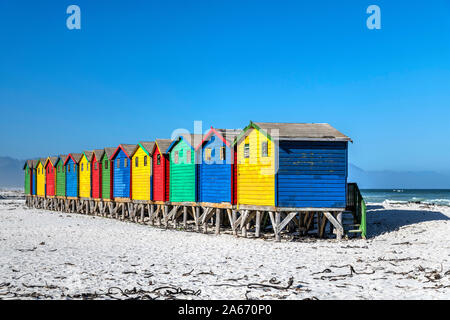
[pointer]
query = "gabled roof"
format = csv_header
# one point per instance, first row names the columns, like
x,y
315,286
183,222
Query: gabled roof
x,y
34,163
41,160
99,153
128,149
162,145
226,135
52,160
62,157
108,152
88,155
190,139
76,157
28,163
147,146
295,131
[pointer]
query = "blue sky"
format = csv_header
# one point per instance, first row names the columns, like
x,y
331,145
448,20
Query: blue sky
x,y
139,69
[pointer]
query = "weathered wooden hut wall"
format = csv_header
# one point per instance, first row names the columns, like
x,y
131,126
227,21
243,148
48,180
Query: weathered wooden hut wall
x,y
40,179
121,175
312,174
85,177
71,178
182,172
255,172
60,177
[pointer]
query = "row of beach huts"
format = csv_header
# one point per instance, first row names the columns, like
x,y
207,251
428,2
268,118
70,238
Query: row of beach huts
x,y
264,167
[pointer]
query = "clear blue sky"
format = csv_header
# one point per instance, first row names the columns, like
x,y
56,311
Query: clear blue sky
x,y
139,69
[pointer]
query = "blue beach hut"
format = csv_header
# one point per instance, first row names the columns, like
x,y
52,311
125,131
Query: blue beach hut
x,y
71,165
121,162
216,178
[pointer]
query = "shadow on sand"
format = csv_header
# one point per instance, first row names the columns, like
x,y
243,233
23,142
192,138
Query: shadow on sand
x,y
381,220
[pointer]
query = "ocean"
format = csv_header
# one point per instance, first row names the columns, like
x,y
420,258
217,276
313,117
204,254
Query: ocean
x,y
427,196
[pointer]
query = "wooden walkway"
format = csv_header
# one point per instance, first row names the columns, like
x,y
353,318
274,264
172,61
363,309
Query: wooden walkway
x,y
244,221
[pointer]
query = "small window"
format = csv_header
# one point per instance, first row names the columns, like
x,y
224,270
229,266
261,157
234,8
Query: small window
x,y
118,163
96,166
106,164
125,163
264,149
158,159
175,157
145,161
136,162
247,150
188,156
207,154
88,166
82,167
223,153
74,167
68,168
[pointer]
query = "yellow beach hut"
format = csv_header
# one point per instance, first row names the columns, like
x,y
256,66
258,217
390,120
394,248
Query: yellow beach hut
x,y
40,178
141,171
85,174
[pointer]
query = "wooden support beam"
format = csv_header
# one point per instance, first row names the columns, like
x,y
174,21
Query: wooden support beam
x,y
276,227
258,224
337,223
185,217
218,221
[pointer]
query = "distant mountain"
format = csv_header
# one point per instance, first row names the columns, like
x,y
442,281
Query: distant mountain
x,y
11,173
398,179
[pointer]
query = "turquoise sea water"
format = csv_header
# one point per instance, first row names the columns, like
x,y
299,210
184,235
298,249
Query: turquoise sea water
x,y
428,196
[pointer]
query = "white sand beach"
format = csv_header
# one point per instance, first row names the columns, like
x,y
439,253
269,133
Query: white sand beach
x,y
52,255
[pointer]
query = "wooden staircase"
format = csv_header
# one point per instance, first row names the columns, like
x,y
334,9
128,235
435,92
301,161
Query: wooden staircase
x,y
354,218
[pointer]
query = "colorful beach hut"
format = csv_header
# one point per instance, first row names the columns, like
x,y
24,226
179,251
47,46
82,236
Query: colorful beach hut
x,y
122,171
216,176
107,174
40,178
61,176
50,176
161,170
71,165
298,165
183,168
85,174
141,167
34,164
28,175
96,175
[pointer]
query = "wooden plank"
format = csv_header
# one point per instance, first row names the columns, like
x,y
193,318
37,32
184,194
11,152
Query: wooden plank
x,y
218,221
337,223
286,220
258,224
277,224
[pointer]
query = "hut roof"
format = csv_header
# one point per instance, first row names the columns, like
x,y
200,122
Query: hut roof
x,y
88,155
190,139
76,157
109,152
163,145
226,135
297,131
34,163
99,153
28,163
147,146
52,160
127,148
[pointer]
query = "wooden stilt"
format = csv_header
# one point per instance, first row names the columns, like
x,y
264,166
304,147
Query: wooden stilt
x,y
258,224
217,221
